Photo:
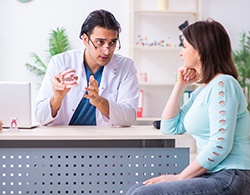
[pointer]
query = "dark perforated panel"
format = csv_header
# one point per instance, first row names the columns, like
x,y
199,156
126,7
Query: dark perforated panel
x,y
84,170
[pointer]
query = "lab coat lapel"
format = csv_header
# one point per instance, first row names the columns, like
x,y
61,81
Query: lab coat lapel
x,y
109,72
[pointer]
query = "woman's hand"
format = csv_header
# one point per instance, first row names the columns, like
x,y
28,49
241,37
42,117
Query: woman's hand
x,y
187,75
162,178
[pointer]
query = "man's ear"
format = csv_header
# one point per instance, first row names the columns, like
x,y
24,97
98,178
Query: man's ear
x,y
85,39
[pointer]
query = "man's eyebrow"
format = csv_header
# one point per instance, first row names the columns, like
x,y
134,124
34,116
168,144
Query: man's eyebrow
x,y
101,39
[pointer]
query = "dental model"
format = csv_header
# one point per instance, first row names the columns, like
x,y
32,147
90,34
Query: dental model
x,y
13,124
68,78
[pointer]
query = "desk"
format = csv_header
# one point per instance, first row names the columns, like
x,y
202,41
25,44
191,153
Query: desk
x,y
85,160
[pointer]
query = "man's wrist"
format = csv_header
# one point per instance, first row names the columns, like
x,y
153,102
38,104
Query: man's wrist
x,y
55,104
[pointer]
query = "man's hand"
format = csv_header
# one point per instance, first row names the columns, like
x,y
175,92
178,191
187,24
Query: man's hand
x,y
60,90
93,91
93,95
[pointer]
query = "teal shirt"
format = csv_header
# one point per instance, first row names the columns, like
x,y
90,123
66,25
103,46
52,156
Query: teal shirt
x,y
218,119
85,113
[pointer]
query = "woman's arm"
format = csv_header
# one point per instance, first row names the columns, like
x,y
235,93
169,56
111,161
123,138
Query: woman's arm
x,y
185,77
173,105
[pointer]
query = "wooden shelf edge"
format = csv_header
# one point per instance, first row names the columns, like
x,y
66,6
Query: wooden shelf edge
x,y
156,84
167,12
157,48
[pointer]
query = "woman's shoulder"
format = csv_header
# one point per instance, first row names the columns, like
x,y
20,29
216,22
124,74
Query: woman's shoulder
x,y
225,79
227,83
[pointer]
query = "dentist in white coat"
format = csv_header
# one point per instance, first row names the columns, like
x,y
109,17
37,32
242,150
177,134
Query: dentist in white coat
x,y
107,91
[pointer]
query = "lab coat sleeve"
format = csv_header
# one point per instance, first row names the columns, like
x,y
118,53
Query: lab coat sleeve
x,y
42,106
71,59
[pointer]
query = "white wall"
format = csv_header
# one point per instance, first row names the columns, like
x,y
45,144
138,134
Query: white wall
x,y
233,14
24,27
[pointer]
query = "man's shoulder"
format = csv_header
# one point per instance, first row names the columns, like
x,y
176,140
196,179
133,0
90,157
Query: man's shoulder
x,y
121,58
69,53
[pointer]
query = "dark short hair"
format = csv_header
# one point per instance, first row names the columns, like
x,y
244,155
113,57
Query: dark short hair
x,y
212,42
101,18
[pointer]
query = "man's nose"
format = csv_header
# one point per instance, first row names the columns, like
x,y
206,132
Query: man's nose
x,y
106,49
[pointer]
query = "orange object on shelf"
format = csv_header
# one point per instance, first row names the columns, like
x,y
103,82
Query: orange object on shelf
x,y
140,105
1,124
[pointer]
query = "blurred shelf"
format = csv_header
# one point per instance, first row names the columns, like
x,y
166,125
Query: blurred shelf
x,y
146,120
153,84
162,12
157,48
154,47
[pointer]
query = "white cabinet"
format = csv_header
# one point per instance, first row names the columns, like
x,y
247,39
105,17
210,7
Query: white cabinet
x,y
155,48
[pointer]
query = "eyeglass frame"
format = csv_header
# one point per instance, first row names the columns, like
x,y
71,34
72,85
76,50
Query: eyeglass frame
x,y
107,47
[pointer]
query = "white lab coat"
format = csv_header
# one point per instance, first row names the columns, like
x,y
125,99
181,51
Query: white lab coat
x,y
119,85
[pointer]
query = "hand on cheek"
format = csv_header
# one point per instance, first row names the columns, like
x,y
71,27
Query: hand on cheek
x,y
187,75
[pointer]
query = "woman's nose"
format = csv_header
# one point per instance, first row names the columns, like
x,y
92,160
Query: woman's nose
x,y
180,53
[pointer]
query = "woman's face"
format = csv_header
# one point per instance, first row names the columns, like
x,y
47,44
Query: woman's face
x,y
190,56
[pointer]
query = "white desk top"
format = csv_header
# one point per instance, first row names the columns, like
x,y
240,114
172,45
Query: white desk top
x,y
87,133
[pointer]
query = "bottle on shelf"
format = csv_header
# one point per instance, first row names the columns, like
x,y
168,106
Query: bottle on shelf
x,y
140,105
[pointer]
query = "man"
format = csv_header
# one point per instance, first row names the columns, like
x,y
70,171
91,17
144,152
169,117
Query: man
x,y
107,91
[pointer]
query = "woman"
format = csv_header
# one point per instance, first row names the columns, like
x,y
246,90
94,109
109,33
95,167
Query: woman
x,y
216,116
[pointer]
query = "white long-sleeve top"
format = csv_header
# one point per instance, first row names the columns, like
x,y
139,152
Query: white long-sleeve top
x,y
119,85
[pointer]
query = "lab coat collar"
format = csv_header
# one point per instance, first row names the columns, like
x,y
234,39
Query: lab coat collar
x,y
109,72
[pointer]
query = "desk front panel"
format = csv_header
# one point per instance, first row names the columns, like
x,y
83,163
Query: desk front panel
x,y
84,170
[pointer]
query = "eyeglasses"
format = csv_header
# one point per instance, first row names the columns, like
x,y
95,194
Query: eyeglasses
x,y
101,44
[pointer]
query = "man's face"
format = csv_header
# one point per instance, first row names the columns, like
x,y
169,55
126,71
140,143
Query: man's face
x,y
100,46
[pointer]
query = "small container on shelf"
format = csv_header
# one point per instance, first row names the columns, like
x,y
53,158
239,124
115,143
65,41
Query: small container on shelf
x,y
143,77
162,4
